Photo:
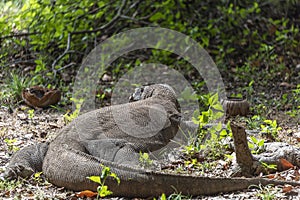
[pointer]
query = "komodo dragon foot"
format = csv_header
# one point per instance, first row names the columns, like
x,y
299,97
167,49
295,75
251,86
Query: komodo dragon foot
x,y
26,162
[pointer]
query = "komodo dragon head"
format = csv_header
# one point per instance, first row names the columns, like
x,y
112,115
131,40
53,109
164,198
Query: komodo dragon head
x,y
162,91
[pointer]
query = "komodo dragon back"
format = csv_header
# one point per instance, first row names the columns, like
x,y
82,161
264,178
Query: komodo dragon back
x,y
95,139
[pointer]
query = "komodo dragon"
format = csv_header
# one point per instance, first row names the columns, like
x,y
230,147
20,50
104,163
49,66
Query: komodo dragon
x,y
94,138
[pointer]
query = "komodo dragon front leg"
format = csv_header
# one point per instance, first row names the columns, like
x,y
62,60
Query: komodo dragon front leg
x,y
27,161
113,150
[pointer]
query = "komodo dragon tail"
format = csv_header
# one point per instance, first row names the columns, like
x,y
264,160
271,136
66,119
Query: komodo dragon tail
x,y
75,166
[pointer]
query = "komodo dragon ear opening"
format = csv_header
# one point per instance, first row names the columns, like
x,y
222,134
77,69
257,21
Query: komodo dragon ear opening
x,y
137,95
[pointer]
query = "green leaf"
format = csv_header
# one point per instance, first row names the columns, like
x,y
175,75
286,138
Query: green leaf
x,y
37,175
218,127
267,121
217,107
254,140
261,143
113,175
157,16
214,99
223,133
105,172
79,12
95,179
103,191
163,197
250,145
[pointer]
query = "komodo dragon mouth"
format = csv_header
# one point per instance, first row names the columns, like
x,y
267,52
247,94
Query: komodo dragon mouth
x,y
94,139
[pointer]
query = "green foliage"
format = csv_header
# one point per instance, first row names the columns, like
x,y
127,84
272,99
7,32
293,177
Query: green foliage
x,y
37,177
270,128
294,101
6,185
145,160
102,189
234,33
70,117
178,196
13,87
10,143
213,146
30,113
269,166
266,192
255,121
256,145
214,109
187,95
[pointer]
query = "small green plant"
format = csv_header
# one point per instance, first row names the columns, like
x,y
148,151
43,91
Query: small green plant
x,y
12,88
69,117
193,163
17,84
178,196
269,166
30,113
238,95
213,136
214,110
256,145
37,177
10,144
145,160
261,109
266,192
270,128
295,111
9,185
102,189
172,197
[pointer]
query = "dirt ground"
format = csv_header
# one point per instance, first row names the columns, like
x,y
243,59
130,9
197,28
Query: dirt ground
x,y
18,129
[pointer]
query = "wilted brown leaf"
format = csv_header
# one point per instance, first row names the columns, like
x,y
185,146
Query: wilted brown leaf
x,y
285,164
86,193
287,188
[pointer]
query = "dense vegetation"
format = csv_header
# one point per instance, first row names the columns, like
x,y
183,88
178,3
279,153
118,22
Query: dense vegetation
x,y
47,40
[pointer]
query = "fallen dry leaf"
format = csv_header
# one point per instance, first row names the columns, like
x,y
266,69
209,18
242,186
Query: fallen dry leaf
x,y
271,176
286,164
287,188
86,193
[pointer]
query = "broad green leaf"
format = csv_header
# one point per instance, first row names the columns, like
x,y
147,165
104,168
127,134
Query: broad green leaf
x,y
113,175
95,179
157,16
103,191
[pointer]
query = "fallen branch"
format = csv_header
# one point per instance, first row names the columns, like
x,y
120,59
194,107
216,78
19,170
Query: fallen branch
x,y
19,35
62,55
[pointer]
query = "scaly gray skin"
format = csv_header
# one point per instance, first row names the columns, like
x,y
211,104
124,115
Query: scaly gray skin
x,y
94,139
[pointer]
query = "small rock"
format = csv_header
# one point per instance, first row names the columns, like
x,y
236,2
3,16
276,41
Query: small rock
x,y
28,136
53,125
22,116
106,78
298,68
